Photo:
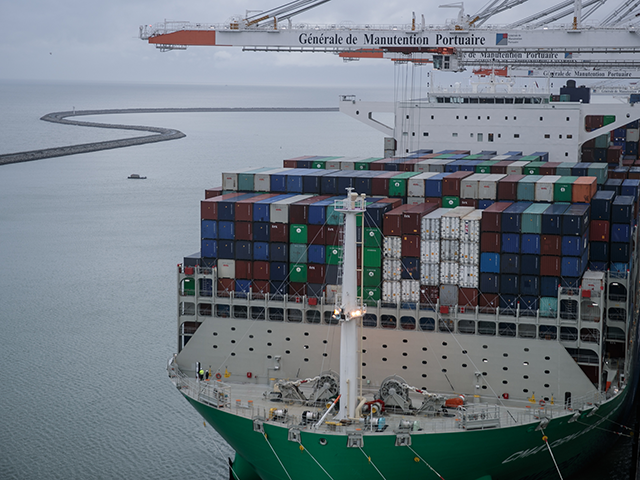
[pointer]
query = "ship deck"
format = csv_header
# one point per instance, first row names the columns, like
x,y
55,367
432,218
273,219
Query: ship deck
x,y
253,401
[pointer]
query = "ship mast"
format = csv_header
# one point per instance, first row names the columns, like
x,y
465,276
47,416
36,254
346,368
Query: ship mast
x,y
350,309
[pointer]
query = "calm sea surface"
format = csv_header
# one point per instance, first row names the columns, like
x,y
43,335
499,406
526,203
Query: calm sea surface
x,y
87,262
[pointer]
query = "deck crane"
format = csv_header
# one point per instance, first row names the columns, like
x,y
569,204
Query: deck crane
x,y
534,43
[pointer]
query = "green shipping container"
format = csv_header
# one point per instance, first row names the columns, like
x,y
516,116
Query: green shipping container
x,y
563,189
532,218
319,164
600,171
548,307
333,217
298,253
450,202
398,184
371,277
372,257
298,273
608,119
564,169
485,167
333,255
533,168
189,286
366,163
602,141
370,296
372,237
297,233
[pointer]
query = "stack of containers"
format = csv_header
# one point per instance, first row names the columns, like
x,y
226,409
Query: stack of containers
x,y
511,241
575,244
469,274
430,255
451,225
491,246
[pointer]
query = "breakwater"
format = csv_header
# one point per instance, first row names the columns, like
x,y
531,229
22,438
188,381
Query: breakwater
x,y
158,134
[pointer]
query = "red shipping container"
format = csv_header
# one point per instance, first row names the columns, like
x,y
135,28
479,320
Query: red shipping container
x,y
451,183
225,287
290,163
437,201
392,221
550,266
261,270
587,155
551,245
213,192
488,302
395,202
469,202
380,184
412,217
468,297
244,270
209,207
299,211
259,288
627,162
244,231
315,273
492,216
332,234
619,173
500,167
429,294
490,242
244,208
411,245
279,232
299,290
549,168
614,154
508,187
599,231
315,235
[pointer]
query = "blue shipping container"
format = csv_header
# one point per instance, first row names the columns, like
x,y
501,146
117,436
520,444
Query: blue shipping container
x,y
489,263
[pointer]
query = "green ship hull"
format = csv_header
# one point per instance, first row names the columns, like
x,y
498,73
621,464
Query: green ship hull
x,y
509,453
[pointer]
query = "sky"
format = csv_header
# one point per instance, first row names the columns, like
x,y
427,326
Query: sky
x,y
86,40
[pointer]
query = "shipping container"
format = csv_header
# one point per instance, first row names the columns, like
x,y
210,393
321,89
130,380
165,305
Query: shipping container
x,y
492,217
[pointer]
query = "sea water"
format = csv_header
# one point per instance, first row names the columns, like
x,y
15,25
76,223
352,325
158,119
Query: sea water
x,y
88,278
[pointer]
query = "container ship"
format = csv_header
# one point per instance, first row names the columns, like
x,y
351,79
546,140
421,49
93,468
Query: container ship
x,y
444,314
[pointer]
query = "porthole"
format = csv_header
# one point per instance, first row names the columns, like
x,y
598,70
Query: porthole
x,y
485,346
525,390
268,344
288,339
484,360
444,370
325,354
547,358
233,329
384,359
504,382
364,364
215,334
547,372
306,359
525,363
364,338
215,346
233,354
323,441
424,362
288,352
306,347
384,346
404,367
324,341
444,357
424,349
404,354
484,387
364,351
526,377
233,341
250,336
268,331
444,344
505,368
251,349
546,385
464,365
526,349
269,357
464,352
484,374
306,334
424,375
505,354
404,340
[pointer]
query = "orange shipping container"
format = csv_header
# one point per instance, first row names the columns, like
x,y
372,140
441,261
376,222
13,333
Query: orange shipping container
x,y
584,188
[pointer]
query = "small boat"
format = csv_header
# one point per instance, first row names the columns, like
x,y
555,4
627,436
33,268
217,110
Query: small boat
x,y
136,176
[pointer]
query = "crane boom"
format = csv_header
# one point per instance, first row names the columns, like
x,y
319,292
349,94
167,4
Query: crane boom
x,y
453,47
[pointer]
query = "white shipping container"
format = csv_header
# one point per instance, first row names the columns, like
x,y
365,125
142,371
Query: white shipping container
x,y
262,180
391,269
516,168
226,268
424,166
335,164
450,222
430,274
488,187
544,188
415,185
470,227
279,211
449,250
499,158
470,253
469,276
469,185
391,291
430,251
438,165
410,291
392,247
332,292
430,227
449,273
633,135
593,281
415,200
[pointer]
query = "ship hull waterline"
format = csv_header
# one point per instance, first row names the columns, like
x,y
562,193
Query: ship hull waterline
x,y
514,453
